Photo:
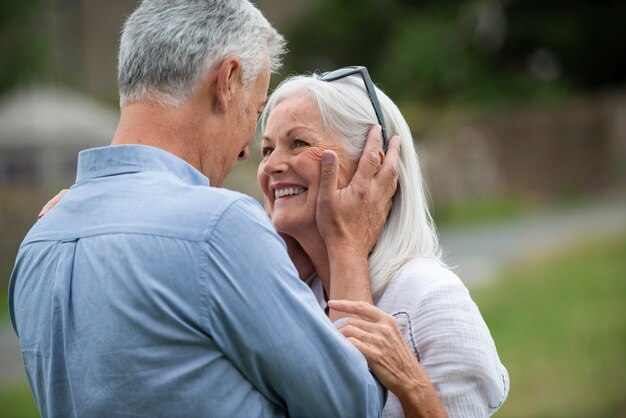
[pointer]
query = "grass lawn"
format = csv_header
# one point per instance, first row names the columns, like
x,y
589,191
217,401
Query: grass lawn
x,y
560,329
17,402
4,305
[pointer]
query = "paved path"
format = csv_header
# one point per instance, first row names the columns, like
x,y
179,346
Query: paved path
x,y
478,253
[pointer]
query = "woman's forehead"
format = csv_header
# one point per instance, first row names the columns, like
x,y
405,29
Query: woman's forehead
x,y
295,111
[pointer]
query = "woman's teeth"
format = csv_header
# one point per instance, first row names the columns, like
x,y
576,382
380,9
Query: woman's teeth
x,y
288,191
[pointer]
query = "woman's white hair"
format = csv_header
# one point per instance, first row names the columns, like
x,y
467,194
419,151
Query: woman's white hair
x,y
347,111
167,46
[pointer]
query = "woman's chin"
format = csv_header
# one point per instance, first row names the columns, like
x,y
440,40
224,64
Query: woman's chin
x,y
291,227
284,228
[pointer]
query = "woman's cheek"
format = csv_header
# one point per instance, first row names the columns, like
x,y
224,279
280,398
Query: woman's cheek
x,y
314,153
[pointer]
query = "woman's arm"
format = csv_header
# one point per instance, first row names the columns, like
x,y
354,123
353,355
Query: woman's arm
x,y
350,219
456,349
376,334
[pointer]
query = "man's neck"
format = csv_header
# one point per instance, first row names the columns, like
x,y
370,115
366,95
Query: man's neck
x,y
148,123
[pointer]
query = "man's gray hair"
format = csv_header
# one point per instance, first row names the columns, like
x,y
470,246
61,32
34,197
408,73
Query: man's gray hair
x,y
167,46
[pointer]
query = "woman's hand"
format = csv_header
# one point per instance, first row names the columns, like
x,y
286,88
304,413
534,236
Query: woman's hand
x,y
350,219
353,217
376,334
51,203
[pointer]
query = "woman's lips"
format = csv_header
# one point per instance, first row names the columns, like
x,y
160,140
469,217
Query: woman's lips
x,y
287,190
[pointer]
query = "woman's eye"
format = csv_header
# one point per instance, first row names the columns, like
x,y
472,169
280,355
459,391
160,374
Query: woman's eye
x,y
300,143
266,151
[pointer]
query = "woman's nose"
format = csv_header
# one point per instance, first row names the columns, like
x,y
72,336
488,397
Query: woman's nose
x,y
275,163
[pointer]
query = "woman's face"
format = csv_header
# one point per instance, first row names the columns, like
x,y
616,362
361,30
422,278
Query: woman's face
x,y
289,173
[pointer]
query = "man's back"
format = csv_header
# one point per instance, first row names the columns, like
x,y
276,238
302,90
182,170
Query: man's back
x,y
145,292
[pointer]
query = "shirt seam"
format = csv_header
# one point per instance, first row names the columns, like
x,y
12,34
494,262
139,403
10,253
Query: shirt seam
x,y
504,392
205,305
36,239
125,169
413,341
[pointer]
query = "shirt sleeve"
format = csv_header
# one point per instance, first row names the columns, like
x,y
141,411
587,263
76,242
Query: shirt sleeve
x,y
268,323
458,354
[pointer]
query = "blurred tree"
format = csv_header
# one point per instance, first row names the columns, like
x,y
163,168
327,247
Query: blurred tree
x,y
587,38
478,51
337,30
22,45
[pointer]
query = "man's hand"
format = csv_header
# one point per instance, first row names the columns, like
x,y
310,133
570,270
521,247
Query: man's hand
x,y
355,215
51,203
377,335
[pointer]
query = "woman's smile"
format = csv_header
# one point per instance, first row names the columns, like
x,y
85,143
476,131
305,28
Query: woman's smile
x,y
285,191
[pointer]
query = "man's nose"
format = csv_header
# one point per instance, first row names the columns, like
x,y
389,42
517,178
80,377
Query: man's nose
x,y
243,154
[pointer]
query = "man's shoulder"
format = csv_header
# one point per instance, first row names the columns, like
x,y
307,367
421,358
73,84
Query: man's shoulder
x,y
208,210
152,207
201,198
203,208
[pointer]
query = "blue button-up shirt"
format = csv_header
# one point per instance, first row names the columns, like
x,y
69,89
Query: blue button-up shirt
x,y
145,292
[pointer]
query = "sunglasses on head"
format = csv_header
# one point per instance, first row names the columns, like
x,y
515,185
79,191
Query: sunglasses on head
x,y
371,92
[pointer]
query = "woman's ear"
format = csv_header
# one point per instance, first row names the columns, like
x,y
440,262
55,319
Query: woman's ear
x,y
228,83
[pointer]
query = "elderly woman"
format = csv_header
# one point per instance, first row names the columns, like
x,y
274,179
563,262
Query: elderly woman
x,y
424,320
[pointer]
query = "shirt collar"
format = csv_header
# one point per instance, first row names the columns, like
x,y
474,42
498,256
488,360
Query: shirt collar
x,y
121,159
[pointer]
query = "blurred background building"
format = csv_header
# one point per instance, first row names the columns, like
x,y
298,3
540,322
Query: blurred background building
x,y
42,129
518,110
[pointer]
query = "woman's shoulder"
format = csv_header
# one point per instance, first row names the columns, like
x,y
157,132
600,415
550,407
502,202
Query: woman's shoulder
x,y
417,280
444,328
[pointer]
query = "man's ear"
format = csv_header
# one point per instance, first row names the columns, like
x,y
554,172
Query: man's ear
x,y
228,83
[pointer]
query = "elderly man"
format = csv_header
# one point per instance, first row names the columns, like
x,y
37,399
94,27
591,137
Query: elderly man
x,y
146,292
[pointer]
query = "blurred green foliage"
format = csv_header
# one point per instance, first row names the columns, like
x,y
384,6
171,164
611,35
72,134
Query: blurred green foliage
x,y
481,52
23,48
446,52
560,330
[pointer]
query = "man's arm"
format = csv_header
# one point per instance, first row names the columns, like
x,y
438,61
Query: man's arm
x,y
268,323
